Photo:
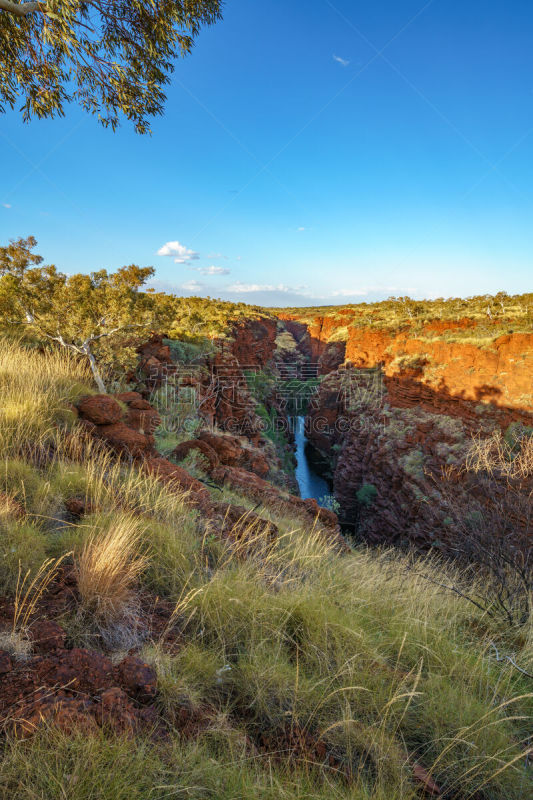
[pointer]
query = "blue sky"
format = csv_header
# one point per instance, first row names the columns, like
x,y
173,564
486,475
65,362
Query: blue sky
x,y
311,152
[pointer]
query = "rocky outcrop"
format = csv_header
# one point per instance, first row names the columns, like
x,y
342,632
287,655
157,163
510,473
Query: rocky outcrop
x,y
232,453
129,433
232,407
387,462
268,495
439,384
178,479
100,409
479,369
207,453
76,689
254,341
332,357
154,361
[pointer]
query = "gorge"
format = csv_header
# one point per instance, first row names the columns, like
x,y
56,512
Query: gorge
x,y
395,409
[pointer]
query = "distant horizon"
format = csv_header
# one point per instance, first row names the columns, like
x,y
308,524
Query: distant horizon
x,y
343,305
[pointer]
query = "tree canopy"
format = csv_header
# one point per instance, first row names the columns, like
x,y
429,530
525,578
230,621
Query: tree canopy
x,y
101,316
111,56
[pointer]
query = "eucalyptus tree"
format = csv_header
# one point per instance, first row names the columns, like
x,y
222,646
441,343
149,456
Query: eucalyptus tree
x,y
101,317
111,56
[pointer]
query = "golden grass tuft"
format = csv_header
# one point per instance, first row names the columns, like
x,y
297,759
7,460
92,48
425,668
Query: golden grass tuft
x,y
109,566
28,593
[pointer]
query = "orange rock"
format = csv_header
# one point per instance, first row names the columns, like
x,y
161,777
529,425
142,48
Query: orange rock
x,y
202,447
125,440
423,777
176,477
101,409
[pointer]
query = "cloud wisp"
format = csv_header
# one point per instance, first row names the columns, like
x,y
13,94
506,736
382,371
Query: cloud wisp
x,y
192,286
212,270
280,295
247,288
342,61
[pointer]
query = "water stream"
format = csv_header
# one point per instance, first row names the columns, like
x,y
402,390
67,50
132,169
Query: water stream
x,y
309,481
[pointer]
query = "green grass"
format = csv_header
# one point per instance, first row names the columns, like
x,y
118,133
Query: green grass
x,y
367,651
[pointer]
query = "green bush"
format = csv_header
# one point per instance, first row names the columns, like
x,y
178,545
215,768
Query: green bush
x,y
367,494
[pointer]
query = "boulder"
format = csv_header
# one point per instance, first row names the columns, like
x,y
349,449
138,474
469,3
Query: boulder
x,y
129,397
154,348
183,450
125,440
77,506
232,453
138,678
227,448
75,690
47,636
101,409
78,669
176,478
116,711
69,714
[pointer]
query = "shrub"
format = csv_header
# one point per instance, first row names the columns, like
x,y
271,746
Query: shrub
x,y
367,494
413,464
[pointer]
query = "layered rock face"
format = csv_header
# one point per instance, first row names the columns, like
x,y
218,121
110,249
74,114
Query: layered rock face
x,y
403,409
498,371
254,341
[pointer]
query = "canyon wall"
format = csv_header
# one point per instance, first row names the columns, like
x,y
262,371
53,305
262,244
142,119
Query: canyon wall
x,y
499,371
402,411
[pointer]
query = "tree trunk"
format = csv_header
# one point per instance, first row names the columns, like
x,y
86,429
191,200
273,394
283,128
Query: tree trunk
x,y
96,374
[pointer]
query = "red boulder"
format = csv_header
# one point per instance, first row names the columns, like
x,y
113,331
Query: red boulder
x,y
101,409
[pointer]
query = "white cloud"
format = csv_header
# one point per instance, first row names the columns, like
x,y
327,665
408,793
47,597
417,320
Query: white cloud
x,y
212,270
246,288
6,205
215,255
192,286
340,60
179,252
301,229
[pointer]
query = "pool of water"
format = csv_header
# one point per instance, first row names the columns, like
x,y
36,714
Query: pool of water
x,y
310,483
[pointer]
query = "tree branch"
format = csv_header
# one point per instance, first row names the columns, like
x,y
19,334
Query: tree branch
x,y
120,328
19,9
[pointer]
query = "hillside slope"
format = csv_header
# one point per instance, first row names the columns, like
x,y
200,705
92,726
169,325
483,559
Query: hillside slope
x,y
199,636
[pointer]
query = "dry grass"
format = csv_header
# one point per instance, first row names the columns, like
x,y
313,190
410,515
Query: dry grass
x,y
36,388
108,568
27,595
495,456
